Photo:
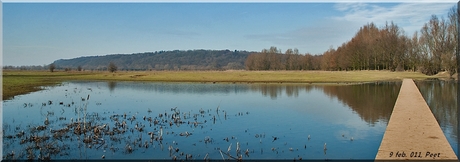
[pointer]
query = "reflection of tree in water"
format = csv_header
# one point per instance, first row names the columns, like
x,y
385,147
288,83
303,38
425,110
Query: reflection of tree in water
x,y
372,102
274,90
271,90
111,85
441,98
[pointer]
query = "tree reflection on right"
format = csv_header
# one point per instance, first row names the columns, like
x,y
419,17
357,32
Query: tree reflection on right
x,y
441,97
371,101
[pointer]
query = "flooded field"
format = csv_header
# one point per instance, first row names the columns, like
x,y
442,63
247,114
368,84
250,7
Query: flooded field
x,y
441,97
194,121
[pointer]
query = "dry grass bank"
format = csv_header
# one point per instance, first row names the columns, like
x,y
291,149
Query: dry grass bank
x,y
21,82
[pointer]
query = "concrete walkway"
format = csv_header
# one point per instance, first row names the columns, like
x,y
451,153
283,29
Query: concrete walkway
x,y
413,132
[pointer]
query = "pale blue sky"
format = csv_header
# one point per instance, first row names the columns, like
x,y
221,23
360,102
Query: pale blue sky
x,y
40,33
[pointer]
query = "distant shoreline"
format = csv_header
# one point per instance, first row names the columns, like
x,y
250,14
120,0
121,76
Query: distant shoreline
x,y
16,82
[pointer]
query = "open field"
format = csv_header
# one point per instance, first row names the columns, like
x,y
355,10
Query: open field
x,y
22,82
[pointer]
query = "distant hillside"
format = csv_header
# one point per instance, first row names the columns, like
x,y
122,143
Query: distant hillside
x,y
162,60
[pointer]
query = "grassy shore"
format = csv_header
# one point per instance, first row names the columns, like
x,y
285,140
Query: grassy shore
x,y
22,82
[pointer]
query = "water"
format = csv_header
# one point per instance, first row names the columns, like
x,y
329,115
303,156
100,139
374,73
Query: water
x,y
441,97
217,118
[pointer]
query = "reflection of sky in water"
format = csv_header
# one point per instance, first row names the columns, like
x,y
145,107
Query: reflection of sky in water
x,y
441,97
290,112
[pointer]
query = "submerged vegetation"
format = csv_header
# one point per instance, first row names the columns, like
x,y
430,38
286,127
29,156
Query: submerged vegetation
x,y
105,133
78,120
72,121
373,54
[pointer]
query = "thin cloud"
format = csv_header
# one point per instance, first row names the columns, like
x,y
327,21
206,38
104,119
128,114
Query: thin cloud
x,y
409,16
312,39
333,31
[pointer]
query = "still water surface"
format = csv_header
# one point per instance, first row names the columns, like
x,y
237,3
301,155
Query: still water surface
x,y
198,121
441,97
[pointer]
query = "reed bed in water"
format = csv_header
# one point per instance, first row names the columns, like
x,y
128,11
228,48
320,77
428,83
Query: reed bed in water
x,y
113,133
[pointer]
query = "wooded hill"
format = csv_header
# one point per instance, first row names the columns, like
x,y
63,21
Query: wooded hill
x,y
161,60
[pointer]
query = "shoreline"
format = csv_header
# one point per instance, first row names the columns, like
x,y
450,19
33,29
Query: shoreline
x,y
16,82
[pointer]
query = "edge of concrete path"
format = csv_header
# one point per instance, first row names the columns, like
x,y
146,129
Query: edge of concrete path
x,y
413,132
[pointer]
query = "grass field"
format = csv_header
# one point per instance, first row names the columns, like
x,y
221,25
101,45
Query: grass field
x,y
22,82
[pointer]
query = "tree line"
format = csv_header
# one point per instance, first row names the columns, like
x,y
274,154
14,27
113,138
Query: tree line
x,y
430,51
274,59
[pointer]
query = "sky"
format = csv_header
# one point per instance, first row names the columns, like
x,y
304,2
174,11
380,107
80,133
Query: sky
x,y
40,33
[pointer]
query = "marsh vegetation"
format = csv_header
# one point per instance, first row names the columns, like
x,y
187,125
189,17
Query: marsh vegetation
x,y
197,121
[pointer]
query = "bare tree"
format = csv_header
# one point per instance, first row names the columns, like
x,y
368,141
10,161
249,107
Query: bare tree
x,y
434,35
112,67
289,57
413,55
250,62
449,56
52,67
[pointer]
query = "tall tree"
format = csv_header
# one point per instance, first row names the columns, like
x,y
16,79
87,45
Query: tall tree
x,y
434,35
413,54
449,56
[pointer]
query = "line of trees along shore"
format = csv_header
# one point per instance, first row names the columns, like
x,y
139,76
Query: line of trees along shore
x,y
429,51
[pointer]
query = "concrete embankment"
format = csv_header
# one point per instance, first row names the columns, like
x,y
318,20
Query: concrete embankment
x,y
413,132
